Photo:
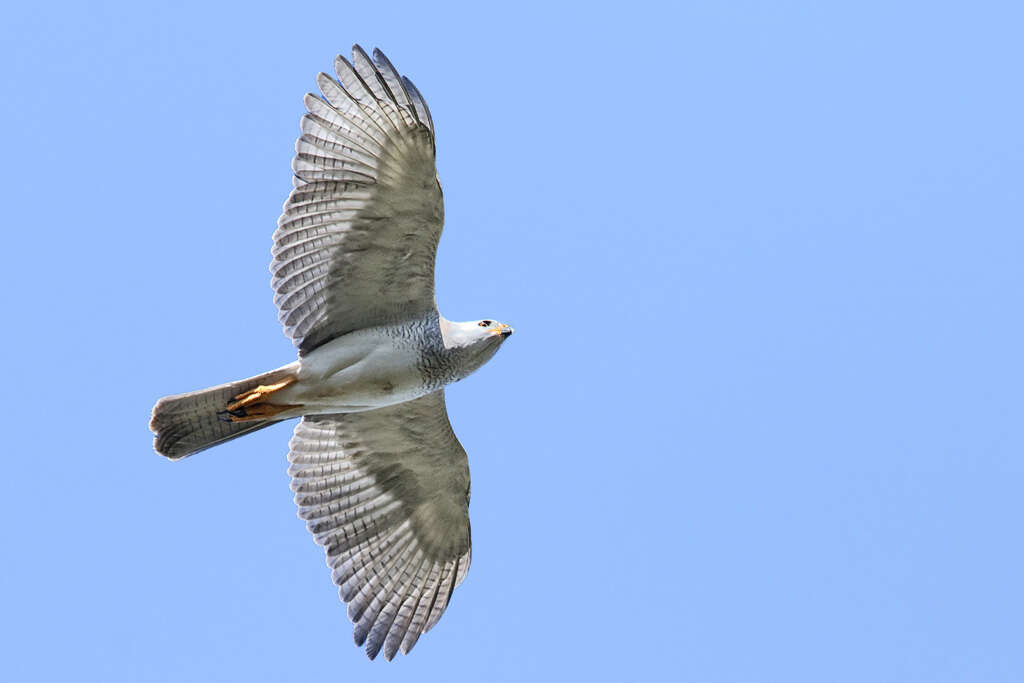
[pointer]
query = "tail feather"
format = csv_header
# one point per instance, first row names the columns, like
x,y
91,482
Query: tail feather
x,y
185,424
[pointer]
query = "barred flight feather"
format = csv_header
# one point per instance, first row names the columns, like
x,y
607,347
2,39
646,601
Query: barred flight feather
x,y
386,493
365,183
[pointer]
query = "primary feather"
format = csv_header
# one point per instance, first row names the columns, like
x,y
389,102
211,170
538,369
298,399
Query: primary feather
x,y
356,243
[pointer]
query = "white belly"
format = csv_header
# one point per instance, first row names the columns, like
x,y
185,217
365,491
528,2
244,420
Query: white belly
x,y
360,371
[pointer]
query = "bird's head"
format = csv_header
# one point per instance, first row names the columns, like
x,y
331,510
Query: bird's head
x,y
492,330
475,341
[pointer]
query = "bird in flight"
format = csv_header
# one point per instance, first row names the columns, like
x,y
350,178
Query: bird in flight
x,y
378,474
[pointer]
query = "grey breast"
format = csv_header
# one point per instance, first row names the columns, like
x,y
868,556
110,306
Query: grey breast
x,y
436,365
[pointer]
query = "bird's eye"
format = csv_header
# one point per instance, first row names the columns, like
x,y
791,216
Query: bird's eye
x,y
485,323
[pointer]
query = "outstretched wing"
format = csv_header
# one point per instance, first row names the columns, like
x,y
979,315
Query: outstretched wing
x,y
386,493
355,245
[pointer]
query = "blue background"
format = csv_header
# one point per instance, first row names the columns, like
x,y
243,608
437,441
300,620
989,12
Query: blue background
x,y
761,419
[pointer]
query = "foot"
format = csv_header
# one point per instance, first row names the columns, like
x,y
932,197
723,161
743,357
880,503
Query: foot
x,y
255,411
258,395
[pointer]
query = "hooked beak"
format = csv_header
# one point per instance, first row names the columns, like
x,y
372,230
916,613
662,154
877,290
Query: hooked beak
x,y
504,330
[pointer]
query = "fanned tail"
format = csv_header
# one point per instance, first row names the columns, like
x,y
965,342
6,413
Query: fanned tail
x,y
185,424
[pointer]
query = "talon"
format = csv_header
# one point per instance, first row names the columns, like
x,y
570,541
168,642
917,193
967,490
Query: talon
x,y
258,394
259,411
245,399
235,405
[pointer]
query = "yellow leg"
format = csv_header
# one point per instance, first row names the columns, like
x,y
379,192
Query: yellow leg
x,y
260,411
259,394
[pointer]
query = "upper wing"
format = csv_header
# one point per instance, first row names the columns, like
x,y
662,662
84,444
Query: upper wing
x,y
386,493
355,245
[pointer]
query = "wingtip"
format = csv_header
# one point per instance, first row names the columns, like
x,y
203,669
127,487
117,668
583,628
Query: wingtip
x,y
358,51
321,77
341,63
310,96
405,647
373,648
358,637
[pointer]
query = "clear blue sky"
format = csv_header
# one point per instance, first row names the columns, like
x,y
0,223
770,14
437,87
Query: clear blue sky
x,y
761,419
